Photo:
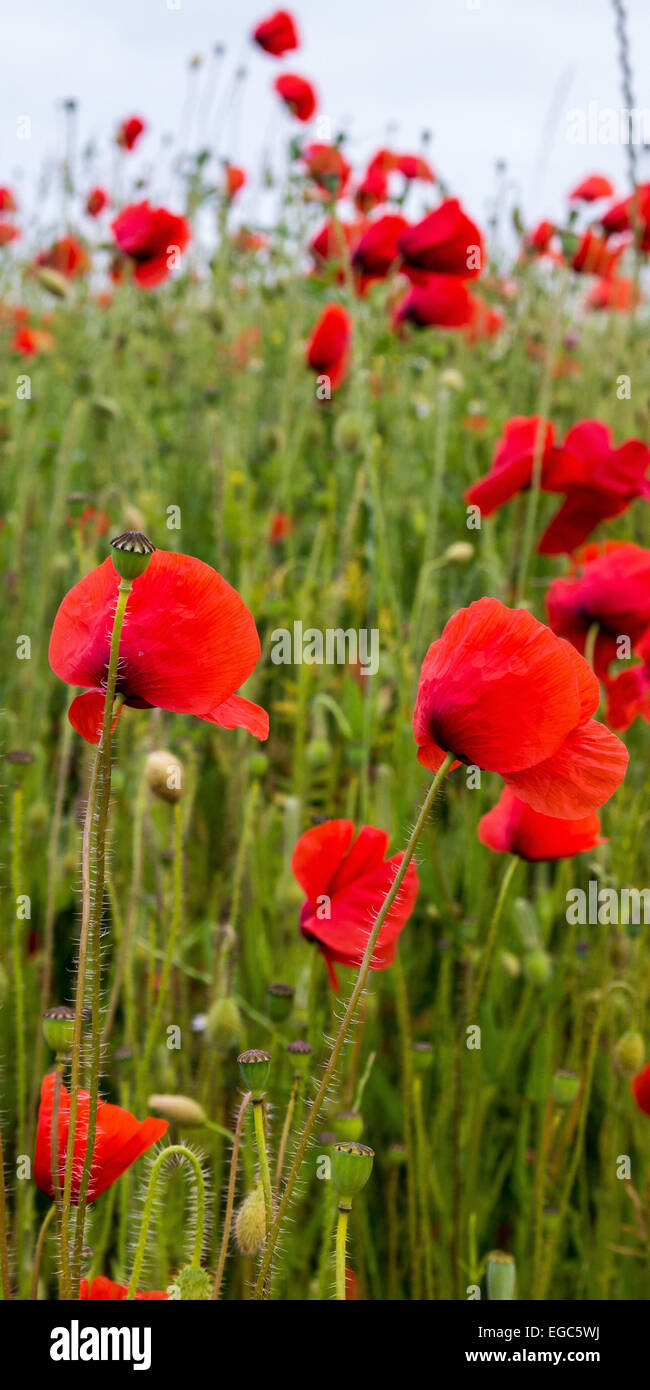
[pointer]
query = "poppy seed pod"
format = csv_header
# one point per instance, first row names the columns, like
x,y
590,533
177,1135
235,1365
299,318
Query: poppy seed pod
x,y
348,1125
300,1053
165,775
351,1168
565,1087
58,1028
193,1285
538,967
422,1056
250,1223
501,1275
223,1024
132,552
255,1066
279,1002
179,1110
629,1052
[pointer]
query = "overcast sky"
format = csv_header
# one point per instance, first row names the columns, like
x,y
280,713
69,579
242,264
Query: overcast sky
x,y
492,80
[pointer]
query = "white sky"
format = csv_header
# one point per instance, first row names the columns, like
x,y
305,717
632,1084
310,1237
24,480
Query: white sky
x,y
485,80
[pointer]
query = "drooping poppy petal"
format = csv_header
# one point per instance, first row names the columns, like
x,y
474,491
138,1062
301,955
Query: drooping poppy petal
x,y
297,93
584,772
120,1140
640,1088
589,190
445,242
514,827
328,346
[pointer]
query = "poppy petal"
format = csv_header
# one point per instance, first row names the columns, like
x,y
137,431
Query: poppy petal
x,y
578,778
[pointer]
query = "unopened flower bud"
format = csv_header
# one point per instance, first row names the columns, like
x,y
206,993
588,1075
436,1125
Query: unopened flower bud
x,y
348,431
351,1168
132,552
630,1052
452,379
255,1066
193,1285
250,1223
179,1110
501,1275
165,775
459,553
565,1087
223,1024
538,966
53,281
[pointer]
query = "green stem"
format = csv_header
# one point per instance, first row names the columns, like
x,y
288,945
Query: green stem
x,y
407,1087
50,1214
148,1211
286,1130
260,1139
346,1023
5,1282
230,1196
19,1004
423,1186
154,1026
91,915
341,1241
489,944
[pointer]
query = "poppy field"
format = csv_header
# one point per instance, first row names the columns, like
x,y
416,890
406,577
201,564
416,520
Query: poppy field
x,y
324,704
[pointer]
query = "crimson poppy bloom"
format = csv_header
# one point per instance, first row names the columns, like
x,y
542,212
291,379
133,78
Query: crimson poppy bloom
x,y
327,167
604,484
593,255
8,233
129,132
413,166
67,256
446,242
7,201
372,191
631,214
440,301
333,240
187,643
640,1088
378,246
617,294
346,876
151,238
628,694
234,179
103,1289
591,189
30,341
485,321
298,94
524,438
96,201
609,587
119,1141
513,827
281,526
501,692
277,35
329,345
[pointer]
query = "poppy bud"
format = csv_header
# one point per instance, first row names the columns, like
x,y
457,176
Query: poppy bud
x,y
165,775
629,1052
193,1284
58,1028
179,1110
319,752
258,764
279,1002
348,431
565,1087
460,553
501,1275
255,1066
132,552
452,379
396,1155
223,1024
348,1125
422,1056
351,1169
300,1053
53,281
106,408
250,1223
511,964
538,967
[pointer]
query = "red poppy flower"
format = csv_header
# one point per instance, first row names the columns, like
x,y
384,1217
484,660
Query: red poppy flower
x,y
7,201
446,242
120,1140
513,827
500,691
327,167
485,321
151,238
30,341
96,201
372,191
440,301
605,482
591,189
332,240
640,1088
538,241
281,526
610,587
187,643
105,1290
631,214
593,255
346,876
129,132
234,178
277,34
617,294
524,438
377,248
298,94
329,345
628,694
8,233
384,161
66,255
413,166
